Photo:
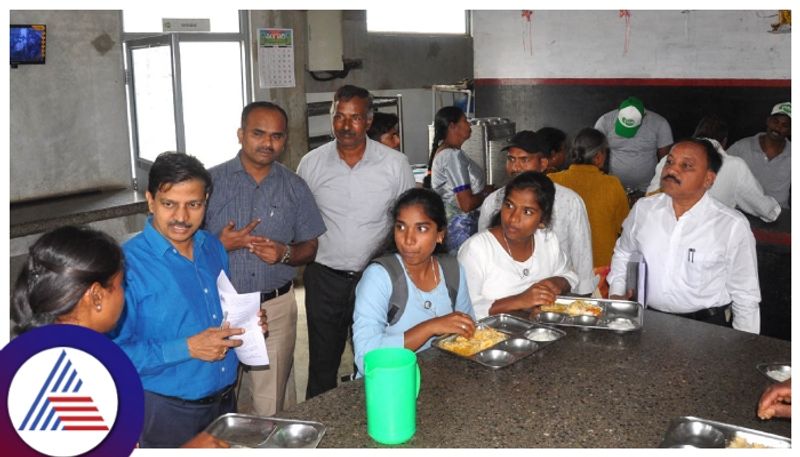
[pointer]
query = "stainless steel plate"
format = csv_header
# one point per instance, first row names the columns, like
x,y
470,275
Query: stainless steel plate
x,y
690,431
507,323
776,371
244,430
525,338
620,316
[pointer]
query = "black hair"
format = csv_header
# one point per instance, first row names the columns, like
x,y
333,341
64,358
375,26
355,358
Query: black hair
x,y
62,265
551,140
349,91
586,145
176,167
441,122
541,186
713,157
263,105
381,123
712,126
433,207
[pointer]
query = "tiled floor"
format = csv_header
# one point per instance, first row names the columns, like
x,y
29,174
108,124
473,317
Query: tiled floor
x,y
301,348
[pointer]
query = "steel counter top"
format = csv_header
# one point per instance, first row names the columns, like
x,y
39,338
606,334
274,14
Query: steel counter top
x,y
589,389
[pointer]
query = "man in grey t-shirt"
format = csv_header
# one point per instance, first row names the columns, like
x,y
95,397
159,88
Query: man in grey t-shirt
x,y
769,154
637,138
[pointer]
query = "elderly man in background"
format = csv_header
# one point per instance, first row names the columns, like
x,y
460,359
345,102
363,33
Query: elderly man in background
x,y
638,138
700,254
355,181
735,186
278,226
769,154
526,152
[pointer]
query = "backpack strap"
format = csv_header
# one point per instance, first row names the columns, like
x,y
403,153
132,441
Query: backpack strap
x,y
397,275
452,276
399,297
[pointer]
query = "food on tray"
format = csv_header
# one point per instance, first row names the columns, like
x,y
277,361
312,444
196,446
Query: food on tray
x,y
739,442
576,308
621,324
483,338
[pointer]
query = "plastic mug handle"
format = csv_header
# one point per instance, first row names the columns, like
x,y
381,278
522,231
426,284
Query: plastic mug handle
x,y
418,379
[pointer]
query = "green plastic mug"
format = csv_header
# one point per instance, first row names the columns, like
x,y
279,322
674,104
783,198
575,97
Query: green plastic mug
x,y
391,380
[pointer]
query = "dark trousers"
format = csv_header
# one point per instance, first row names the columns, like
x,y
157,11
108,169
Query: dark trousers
x,y
170,422
717,316
330,298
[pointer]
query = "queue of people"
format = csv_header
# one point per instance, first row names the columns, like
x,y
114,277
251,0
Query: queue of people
x,y
391,265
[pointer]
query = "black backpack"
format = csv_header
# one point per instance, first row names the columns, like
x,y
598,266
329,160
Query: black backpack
x,y
399,297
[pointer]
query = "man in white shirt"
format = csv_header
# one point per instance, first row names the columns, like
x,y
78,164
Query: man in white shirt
x,y
700,254
355,181
735,186
570,221
769,154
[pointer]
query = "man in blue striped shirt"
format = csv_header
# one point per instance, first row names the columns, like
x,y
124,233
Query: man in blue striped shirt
x,y
172,325
267,219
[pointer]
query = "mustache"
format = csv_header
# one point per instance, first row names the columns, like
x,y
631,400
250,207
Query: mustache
x,y
678,181
179,224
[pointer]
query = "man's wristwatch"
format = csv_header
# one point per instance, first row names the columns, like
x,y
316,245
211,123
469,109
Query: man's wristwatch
x,y
286,254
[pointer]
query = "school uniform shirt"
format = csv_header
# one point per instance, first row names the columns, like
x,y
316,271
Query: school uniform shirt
x,y
735,187
371,329
705,259
570,223
493,274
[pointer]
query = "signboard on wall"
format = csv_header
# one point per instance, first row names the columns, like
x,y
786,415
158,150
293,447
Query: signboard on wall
x,y
186,25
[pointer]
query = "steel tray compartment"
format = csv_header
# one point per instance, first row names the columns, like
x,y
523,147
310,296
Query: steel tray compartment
x,y
516,347
244,430
619,316
776,371
691,432
507,323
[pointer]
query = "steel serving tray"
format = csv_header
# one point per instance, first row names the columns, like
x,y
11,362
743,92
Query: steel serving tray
x,y
620,316
524,338
776,371
244,430
693,432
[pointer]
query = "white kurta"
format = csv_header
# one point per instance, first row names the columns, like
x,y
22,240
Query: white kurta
x,y
705,259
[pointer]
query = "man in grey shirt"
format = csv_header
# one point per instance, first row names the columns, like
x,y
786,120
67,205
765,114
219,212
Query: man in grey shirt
x,y
267,219
769,154
355,181
637,138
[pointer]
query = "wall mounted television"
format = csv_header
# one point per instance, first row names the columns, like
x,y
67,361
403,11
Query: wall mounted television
x,y
28,44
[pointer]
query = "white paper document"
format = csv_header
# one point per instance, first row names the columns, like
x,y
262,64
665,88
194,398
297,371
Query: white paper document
x,y
242,312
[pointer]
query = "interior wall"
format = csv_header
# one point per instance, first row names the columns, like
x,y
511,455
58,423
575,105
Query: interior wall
x,y
406,64
291,99
68,117
660,44
566,68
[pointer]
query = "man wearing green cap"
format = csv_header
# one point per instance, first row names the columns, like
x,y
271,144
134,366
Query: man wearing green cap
x,y
637,138
769,154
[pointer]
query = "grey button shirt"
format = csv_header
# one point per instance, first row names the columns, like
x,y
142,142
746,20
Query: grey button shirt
x,y
355,202
288,215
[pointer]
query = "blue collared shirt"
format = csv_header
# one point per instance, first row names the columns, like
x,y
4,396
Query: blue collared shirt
x,y
169,298
287,210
